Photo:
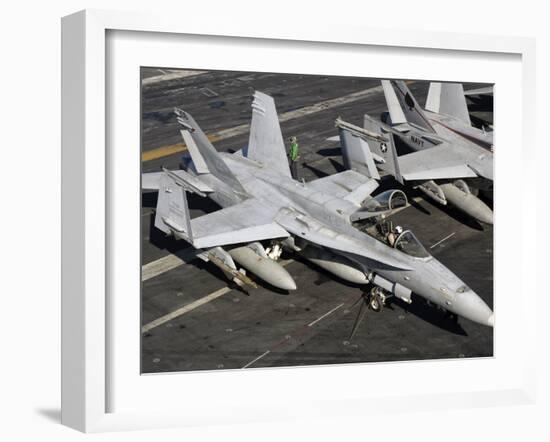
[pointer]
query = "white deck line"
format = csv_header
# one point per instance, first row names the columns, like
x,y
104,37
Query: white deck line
x,y
441,240
174,75
257,359
160,266
185,309
302,112
173,261
325,315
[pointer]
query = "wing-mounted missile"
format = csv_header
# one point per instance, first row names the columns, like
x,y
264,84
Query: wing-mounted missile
x,y
433,191
254,258
223,260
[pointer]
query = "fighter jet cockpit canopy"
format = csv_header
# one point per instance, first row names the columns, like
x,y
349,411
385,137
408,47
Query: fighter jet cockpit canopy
x,y
409,244
390,200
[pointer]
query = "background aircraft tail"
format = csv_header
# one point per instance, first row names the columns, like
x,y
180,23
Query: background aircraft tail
x,y
366,149
356,154
206,158
385,151
448,99
402,105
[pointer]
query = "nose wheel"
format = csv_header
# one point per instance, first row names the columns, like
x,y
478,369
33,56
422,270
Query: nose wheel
x,y
375,300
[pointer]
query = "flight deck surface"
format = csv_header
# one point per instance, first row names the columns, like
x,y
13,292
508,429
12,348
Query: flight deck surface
x,y
194,319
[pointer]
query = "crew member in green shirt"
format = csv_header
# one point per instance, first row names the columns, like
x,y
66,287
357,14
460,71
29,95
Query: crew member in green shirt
x,y
294,154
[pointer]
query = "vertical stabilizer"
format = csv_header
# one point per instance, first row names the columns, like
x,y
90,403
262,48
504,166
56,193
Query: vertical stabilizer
x,y
384,151
266,145
356,154
448,99
403,106
366,149
205,157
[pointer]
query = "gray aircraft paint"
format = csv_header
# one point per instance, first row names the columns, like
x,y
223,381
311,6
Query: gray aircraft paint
x,y
269,204
445,146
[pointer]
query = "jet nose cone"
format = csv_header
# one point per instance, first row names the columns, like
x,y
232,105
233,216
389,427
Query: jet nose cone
x,y
470,306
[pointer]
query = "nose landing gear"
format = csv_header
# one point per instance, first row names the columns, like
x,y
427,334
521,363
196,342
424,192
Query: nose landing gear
x,y
375,300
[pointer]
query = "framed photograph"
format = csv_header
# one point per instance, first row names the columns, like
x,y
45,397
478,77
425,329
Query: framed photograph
x,y
252,213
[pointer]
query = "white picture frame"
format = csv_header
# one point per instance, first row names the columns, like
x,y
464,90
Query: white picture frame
x,y
86,205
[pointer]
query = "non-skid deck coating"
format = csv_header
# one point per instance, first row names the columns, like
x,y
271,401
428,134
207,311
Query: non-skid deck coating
x,y
193,319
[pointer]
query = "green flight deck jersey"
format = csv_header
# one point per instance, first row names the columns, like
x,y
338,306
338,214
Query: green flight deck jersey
x,y
294,153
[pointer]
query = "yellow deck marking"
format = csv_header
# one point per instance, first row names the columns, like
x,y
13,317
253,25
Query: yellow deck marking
x,y
244,128
163,151
171,149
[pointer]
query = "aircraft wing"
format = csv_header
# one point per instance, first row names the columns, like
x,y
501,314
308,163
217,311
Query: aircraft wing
x,y
349,185
438,162
248,221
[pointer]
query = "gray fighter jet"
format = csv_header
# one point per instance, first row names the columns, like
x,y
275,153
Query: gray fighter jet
x,y
450,160
261,202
